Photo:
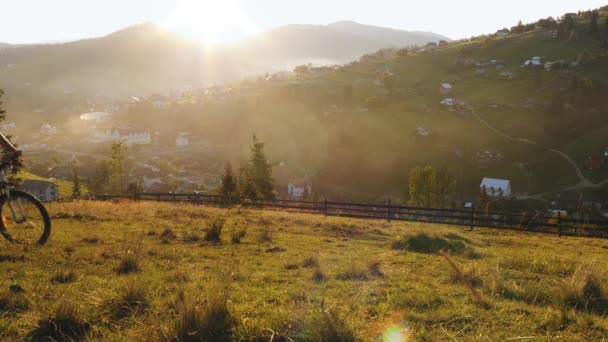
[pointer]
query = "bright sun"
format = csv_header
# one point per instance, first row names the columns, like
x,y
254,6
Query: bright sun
x,y
210,21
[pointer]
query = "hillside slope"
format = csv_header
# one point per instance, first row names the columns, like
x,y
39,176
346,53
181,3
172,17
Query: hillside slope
x,y
145,58
390,37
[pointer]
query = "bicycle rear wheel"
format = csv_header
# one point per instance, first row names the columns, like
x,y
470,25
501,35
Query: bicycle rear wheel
x,y
24,219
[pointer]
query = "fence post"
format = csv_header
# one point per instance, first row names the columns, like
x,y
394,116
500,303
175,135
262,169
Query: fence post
x,y
325,207
472,216
388,212
559,224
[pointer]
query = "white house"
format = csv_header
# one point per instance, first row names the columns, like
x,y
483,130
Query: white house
x,y
496,187
48,129
130,137
8,125
445,88
95,116
297,188
503,33
44,191
182,140
423,131
151,179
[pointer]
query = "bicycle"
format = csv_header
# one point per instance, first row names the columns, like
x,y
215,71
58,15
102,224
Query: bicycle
x,y
24,218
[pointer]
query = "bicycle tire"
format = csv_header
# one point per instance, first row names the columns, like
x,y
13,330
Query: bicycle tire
x,y
16,194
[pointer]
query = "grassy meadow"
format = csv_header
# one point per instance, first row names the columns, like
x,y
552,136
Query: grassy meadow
x,y
147,271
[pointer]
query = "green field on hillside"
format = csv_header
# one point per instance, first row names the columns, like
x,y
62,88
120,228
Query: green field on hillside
x,y
144,272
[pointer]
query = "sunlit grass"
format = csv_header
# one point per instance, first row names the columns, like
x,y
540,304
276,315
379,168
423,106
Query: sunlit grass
x,y
335,277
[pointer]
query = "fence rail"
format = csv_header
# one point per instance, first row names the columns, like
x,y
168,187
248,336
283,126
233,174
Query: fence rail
x,y
562,226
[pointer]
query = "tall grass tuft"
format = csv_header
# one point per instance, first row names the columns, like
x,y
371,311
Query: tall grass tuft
x,y
353,272
266,234
462,277
66,324
236,235
211,323
64,277
329,325
584,289
310,262
129,264
13,303
215,228
132,300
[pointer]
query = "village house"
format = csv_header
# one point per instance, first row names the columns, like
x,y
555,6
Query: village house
x,y
42,190
299,188
445,88
95,116
507,75
7,126
424,131
503,33
451,104
130,137
182,140
48,129
496,187
490,156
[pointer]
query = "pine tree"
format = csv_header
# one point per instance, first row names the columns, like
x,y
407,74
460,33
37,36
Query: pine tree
x,y
75,184
594,22
261,170
118,156
228,182
246,184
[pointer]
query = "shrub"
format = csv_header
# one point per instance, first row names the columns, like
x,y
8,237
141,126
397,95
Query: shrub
x,y
423,243
66,324
215,228
128,265
64,277
212,323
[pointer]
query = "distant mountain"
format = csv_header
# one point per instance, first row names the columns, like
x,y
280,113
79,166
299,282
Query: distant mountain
x,y
386,35
145,58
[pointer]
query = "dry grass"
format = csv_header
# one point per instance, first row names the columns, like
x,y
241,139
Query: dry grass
x,y
537,285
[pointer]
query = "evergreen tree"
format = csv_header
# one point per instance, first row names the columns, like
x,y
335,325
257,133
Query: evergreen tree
x,y
261,170
228,182
76,193
594,22
423,184
246,183
116,176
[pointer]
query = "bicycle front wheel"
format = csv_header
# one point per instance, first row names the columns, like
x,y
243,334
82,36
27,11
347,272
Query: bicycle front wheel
x,y
24,219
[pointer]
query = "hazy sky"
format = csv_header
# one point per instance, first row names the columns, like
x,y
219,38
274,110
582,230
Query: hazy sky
x,y
29,21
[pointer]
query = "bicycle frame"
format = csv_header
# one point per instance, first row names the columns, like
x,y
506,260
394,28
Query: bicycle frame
x,y
6,188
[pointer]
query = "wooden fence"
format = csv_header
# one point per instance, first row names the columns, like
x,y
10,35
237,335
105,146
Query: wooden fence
x,y
532,222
